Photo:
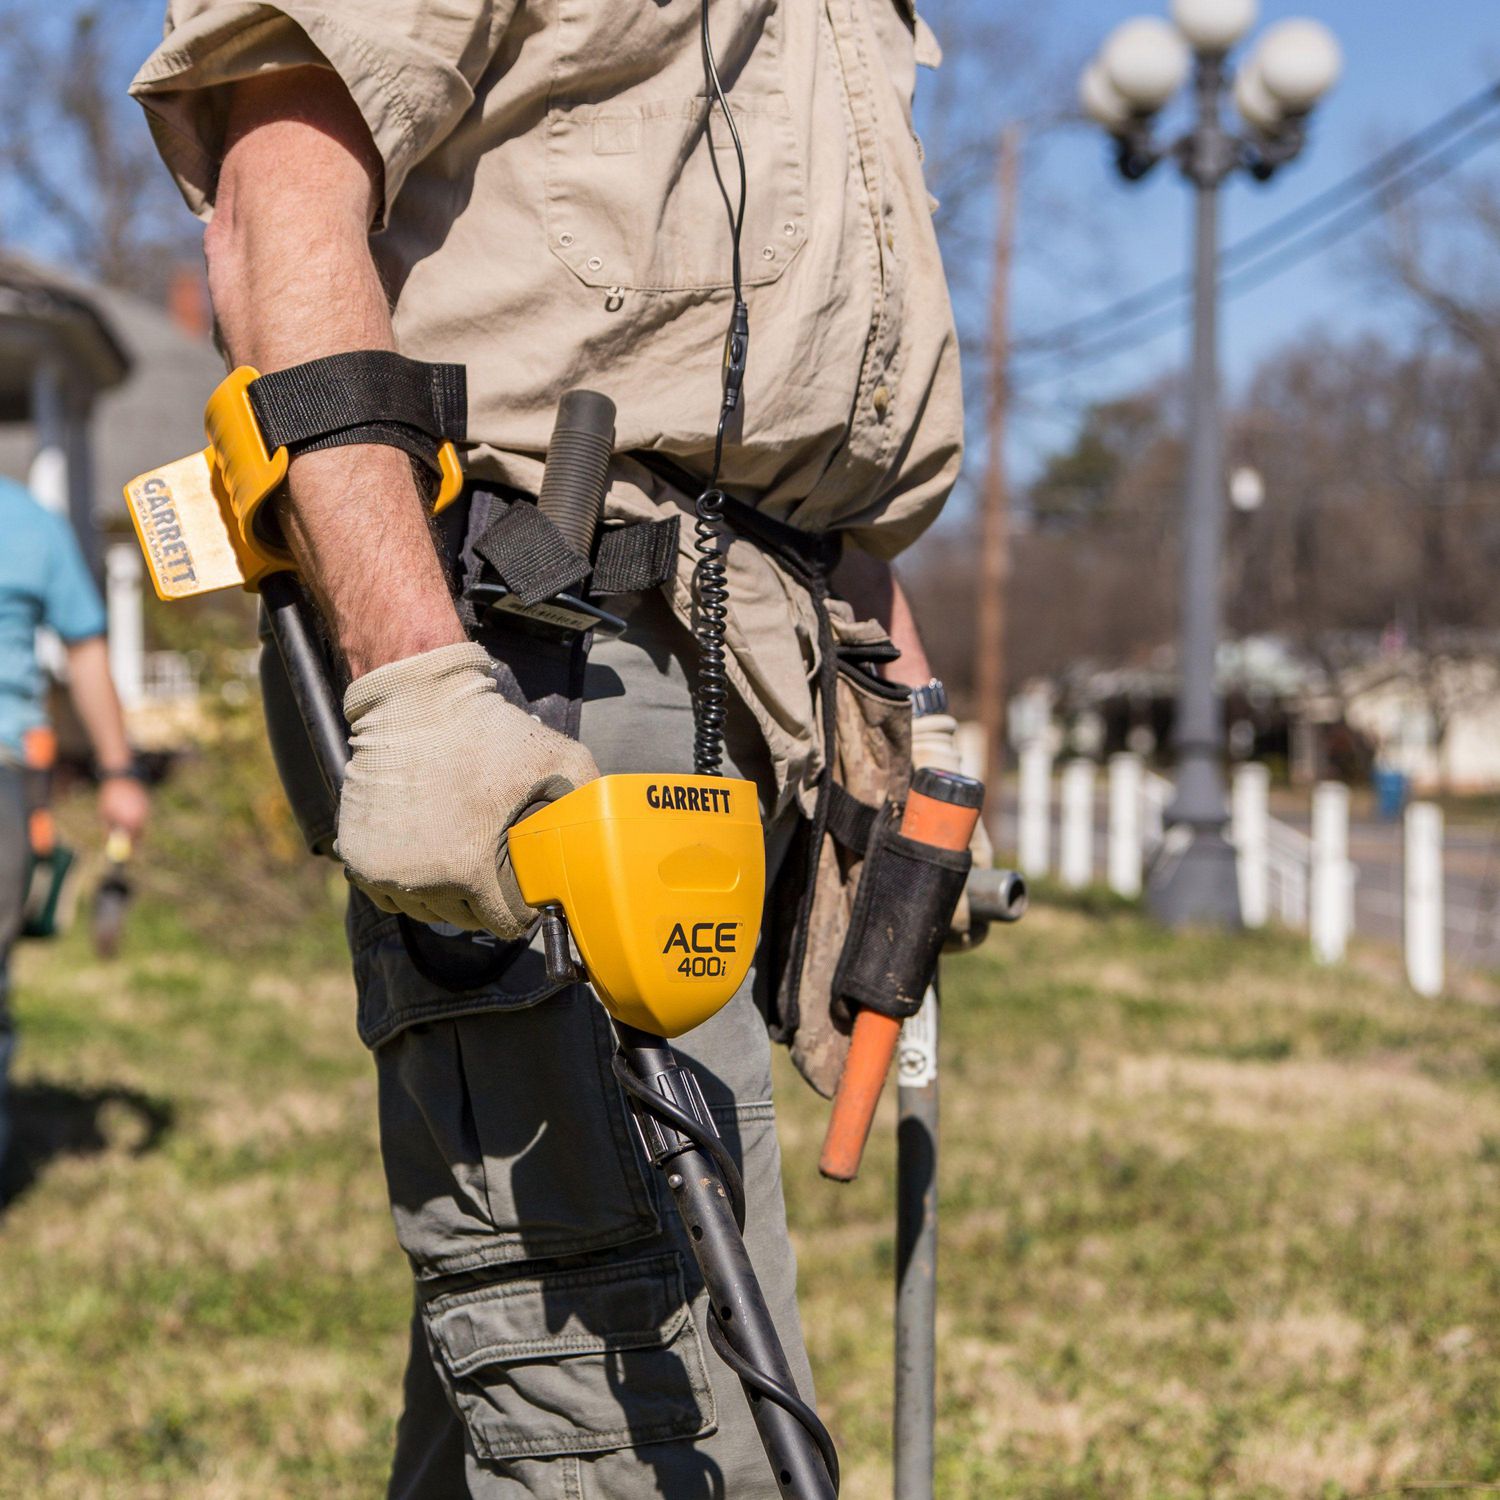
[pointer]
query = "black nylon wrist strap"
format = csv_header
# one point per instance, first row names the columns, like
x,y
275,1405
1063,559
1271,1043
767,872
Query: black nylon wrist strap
x,y
368,396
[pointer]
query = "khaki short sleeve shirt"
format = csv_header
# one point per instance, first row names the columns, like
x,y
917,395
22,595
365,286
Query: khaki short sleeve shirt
x,y
551,217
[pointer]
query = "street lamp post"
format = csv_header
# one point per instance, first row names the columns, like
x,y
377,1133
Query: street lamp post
x,y
1142,64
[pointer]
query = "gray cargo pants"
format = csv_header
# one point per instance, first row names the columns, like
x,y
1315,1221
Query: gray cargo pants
x,y
558,1346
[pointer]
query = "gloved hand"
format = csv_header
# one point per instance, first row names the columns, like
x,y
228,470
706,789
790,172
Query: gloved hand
x,y
442,766
934,742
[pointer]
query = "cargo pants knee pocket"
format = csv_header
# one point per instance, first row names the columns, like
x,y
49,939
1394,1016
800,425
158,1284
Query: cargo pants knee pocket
x,y
578,1381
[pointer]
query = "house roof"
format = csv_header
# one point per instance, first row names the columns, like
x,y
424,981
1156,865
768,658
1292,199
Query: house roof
x,y
152,377
44,309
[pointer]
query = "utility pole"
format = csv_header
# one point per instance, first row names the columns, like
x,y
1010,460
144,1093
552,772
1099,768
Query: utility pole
x,y
994,547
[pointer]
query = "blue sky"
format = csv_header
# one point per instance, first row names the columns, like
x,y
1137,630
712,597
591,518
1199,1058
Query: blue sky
x,y
1405,63
1088,238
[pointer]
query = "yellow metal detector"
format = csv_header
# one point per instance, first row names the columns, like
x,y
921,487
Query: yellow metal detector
x,y
657,880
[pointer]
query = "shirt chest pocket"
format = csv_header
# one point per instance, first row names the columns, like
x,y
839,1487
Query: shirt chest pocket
x,y
634,165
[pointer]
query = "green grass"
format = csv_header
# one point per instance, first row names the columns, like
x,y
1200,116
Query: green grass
x,y
1214,1222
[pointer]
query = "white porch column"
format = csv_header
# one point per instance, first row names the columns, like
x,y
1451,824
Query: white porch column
x,y
79,445
127,636
1329,897
1423,906
1249,831
1033,832
1125,846
1076,851
47,477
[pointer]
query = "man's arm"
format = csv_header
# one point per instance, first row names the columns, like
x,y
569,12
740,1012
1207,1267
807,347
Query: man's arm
x,y
440,764
122,799
875,593
292,279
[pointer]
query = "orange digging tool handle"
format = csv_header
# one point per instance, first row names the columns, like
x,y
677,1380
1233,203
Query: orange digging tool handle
x,y
871,1049
941,809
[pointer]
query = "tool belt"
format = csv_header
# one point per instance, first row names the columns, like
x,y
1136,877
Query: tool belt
x,y
845,918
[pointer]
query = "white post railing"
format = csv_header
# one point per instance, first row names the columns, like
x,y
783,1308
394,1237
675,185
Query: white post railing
x,y
1126,851
1329,914
1423,917
1249,828
1034,820
1076,852
1288,861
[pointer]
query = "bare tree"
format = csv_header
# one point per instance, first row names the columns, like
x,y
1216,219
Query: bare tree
x,y
74,152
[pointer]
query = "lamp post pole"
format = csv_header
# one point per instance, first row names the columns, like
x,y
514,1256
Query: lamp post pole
x,y
1196,880
1142,64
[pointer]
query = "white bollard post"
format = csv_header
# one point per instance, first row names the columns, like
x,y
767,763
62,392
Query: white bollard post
x,y
127,640
1249,830
1034,824
1329,897
1076,855
1423,907
1125,824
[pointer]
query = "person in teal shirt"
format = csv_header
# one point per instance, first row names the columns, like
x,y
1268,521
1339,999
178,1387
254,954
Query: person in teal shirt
x,y
44,581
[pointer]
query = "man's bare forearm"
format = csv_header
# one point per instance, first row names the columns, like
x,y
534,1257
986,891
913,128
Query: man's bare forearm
x,y
874,592
98,704
292,279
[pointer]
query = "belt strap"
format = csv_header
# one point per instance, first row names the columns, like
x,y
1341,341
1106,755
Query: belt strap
x,y
368,396
642,555
533,558
535,561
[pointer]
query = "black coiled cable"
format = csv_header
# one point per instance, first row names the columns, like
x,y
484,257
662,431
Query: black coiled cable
x,y
711,584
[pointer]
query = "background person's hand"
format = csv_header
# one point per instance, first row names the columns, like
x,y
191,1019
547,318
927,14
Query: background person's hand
x,y
124,804
934,742
442,765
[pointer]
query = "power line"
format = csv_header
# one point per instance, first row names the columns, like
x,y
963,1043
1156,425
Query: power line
x,y
1160,296
1286,255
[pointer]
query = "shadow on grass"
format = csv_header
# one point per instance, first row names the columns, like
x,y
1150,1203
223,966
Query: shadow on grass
x,y
51,1120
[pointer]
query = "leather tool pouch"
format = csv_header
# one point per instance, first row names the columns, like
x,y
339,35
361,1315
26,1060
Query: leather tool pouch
x,y
823,906
816,904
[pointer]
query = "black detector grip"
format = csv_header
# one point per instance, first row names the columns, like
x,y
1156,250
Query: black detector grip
x,y
577,473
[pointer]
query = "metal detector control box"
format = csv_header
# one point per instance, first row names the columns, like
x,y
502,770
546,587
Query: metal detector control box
x,y
661,878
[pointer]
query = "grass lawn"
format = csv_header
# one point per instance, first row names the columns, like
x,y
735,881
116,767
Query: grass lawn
x,y
1214,1222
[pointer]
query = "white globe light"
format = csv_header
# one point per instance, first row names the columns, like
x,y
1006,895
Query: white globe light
x,y
1247,490
1213,25
1100,101
1145,61
1298,62
1257,107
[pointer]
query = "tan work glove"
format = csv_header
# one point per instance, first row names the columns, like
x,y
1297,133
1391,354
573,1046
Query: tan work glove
x,y
934,742
442,766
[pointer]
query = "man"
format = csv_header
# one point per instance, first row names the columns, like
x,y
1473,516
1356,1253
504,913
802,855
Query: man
x,y
529,190
44,581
